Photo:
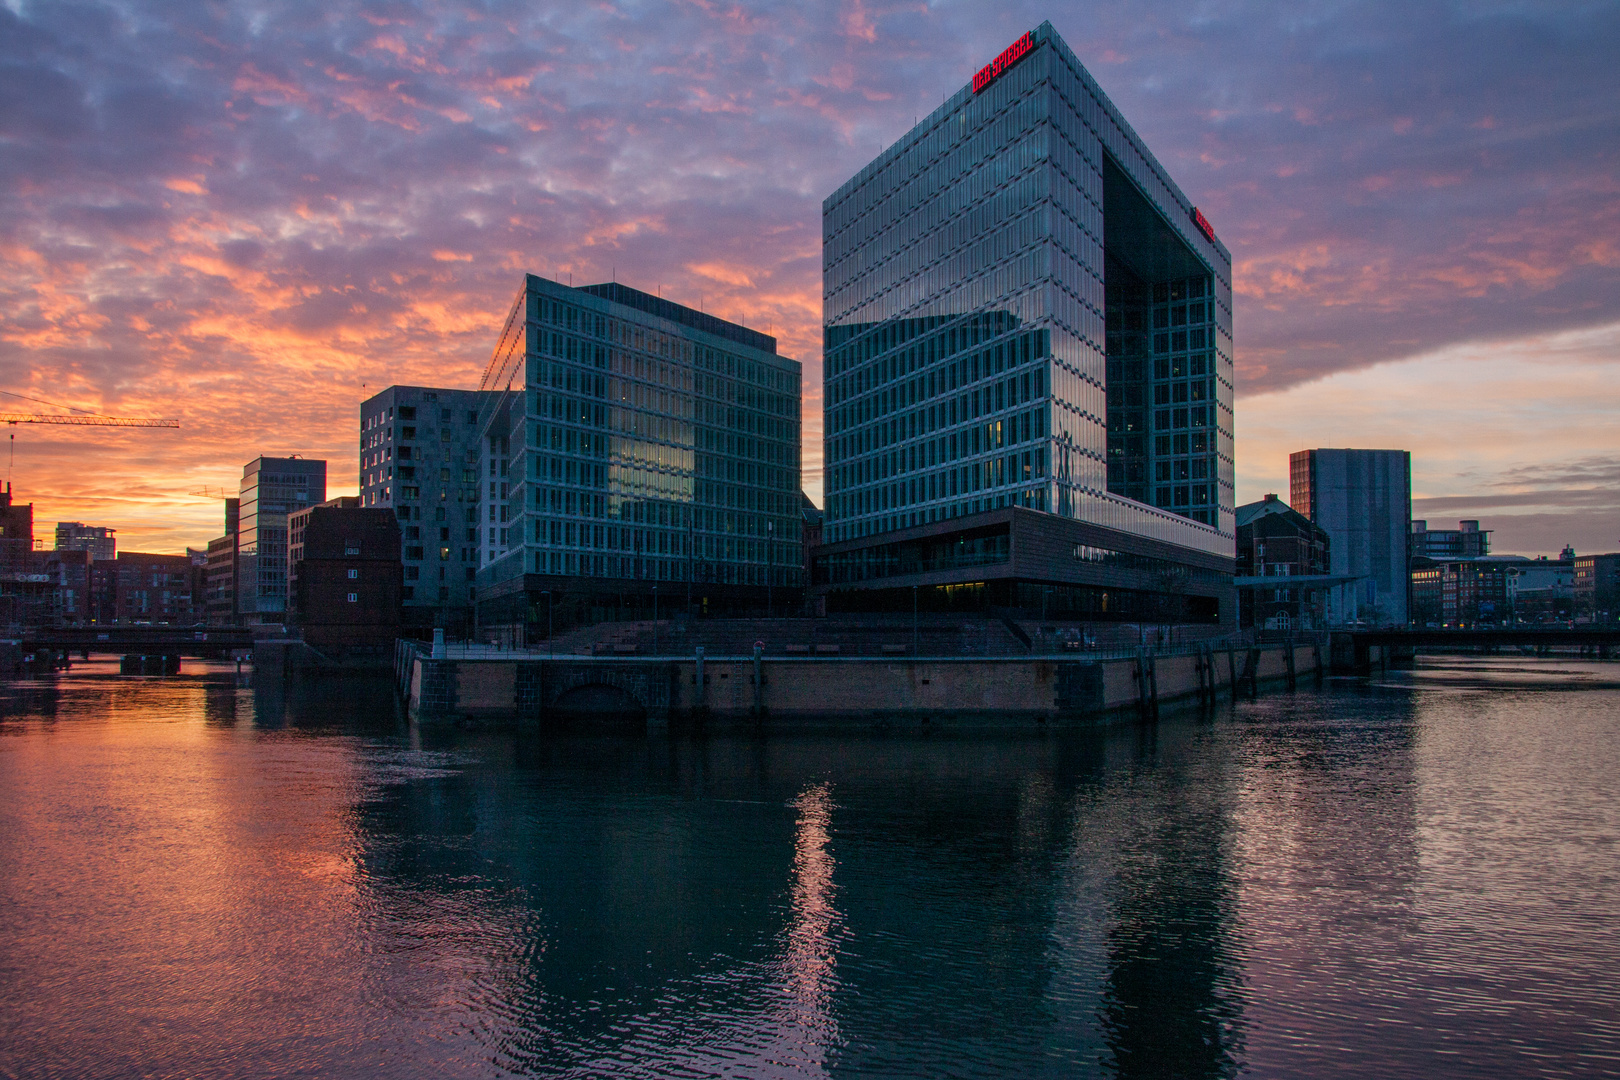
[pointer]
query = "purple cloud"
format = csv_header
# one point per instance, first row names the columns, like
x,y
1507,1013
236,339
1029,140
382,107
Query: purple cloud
x,y
238,215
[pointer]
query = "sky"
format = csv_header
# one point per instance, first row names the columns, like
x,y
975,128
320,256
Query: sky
x,y
251,216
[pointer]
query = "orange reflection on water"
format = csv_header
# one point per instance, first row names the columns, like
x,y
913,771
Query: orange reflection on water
x,y
810,964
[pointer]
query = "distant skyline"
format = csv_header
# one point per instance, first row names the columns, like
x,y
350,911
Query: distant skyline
x,y
254,218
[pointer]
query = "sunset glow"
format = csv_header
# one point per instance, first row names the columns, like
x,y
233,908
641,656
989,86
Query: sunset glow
x,y
252,221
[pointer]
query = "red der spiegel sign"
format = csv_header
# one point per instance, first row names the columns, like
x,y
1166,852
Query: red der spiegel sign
x,y
1203,224
1010,56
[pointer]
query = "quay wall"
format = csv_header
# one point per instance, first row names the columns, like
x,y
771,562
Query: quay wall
x,y
795,690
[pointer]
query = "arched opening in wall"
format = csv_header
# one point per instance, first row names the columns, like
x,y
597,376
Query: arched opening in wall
x,y
597,706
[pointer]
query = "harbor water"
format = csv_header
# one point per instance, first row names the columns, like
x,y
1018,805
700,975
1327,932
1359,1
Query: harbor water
x,y
1413,874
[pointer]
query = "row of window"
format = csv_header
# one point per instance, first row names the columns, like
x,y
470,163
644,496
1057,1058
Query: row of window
x,y
642,568
765,516
998,433
654,386
766,468
1003,470
962,409
646,339
963,370
948,169
651,542
648,420
1036,498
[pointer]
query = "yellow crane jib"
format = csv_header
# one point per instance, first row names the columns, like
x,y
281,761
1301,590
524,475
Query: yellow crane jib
x,y
88,421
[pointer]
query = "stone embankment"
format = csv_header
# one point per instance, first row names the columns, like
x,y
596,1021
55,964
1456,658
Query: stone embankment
x,y
1074,689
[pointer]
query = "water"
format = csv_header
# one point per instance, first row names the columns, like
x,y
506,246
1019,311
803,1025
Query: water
x,y
1412,876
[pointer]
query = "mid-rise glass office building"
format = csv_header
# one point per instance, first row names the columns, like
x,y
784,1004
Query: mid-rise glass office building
x,y
1028,326
271,489
632,449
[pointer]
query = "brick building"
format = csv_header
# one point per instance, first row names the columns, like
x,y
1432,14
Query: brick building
x,y
1597,588
1464,592
220,571
345,575
16,522
1274,540
160,590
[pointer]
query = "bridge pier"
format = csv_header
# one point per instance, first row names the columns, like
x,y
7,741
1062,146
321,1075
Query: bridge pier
x,y
149,664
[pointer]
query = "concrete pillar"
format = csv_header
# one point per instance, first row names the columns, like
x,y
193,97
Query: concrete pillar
x,y
759,681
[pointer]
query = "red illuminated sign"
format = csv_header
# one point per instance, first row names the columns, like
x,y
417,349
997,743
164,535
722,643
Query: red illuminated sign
x,y
1014,53
1203,224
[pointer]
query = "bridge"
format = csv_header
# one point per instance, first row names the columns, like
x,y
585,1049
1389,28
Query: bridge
x,y
209,641
1600,639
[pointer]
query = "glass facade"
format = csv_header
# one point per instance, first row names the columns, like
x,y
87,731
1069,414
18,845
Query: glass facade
x,y
633,439
271,489
1022,309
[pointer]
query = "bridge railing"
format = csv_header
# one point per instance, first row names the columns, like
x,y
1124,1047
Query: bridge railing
x,y
407,651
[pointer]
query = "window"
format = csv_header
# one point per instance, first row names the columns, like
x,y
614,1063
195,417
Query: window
x,y
354,598
354,575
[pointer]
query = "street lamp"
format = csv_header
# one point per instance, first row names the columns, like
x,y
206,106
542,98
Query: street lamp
x,y
655,620
770,551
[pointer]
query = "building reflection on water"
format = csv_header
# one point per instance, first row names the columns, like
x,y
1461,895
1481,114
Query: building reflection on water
x,y
1183,900
828,904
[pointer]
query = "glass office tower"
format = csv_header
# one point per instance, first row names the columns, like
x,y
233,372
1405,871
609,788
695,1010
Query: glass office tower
x,y
1024,313
634,448
271,489
1363,500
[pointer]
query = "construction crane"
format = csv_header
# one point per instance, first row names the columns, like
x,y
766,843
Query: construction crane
x,y
86,421
82,420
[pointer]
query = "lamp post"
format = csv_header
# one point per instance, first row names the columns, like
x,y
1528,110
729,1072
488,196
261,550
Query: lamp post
x,y
655,620
770,551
